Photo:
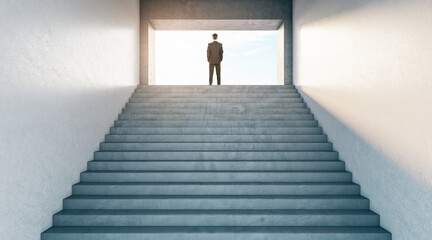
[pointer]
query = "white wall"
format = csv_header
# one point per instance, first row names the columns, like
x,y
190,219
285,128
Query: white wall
x,y
365,69
67,67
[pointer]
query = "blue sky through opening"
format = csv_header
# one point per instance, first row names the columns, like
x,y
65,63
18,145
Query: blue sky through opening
x,y
250,57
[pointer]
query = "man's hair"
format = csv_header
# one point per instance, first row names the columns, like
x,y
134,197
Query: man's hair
x,y
215,36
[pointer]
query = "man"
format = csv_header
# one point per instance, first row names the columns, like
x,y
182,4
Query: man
x,y
214,57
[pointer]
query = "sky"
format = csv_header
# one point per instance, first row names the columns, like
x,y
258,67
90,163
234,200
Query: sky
x,y
250,57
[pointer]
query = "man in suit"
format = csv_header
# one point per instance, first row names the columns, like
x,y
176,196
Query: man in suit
x,y
214,57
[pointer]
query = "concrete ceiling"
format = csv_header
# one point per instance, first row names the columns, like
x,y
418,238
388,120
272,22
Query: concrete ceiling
x,y
201,24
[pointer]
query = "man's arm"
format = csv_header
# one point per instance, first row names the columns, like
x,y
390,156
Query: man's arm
x,y
221,52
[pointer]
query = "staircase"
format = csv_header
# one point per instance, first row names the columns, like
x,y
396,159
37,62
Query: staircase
x,y
216,163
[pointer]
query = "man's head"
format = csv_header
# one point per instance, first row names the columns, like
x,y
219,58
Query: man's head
x,y
215,36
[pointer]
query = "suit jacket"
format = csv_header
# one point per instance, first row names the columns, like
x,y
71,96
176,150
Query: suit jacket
x,y
214,52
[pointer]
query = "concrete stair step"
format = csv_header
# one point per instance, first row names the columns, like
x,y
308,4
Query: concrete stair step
x,y
208,155
217,218
215,123
215,95
216,146
209,202
214,87
216,165
217,131
216,233
216,176
213,117
215,90
215,188
216,110
215,138
192,99
214,105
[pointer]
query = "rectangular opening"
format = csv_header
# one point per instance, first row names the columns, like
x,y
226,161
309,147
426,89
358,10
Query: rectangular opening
x,y
250,57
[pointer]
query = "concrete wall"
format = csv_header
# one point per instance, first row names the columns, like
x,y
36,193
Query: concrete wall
x,y
66,69
217,10
281,55
364,68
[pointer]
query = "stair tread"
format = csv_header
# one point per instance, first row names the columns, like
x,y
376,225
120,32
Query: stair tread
x,y
216,212
220,86
170,151
215,197
208,97
222,161
220,183
229,143
215,171
218,120
260,128
255,128
128,134
215,230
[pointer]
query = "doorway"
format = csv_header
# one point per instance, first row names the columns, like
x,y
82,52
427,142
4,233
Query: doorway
x,y
255,51
250,57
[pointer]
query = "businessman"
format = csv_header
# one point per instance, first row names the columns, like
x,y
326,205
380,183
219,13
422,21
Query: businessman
x,y
214,57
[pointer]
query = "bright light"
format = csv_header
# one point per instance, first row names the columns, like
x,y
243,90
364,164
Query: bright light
x,y
250,57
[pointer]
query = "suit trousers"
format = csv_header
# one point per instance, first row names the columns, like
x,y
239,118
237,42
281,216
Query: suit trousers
x,y
218,73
